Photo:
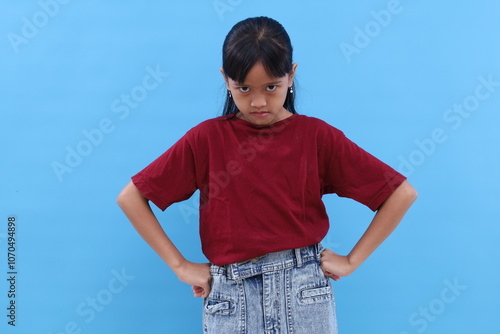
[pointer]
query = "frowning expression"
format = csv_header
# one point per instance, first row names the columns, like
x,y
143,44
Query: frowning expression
x,y
261,97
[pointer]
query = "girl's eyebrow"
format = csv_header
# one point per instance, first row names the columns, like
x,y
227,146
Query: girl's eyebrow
x,y
267,84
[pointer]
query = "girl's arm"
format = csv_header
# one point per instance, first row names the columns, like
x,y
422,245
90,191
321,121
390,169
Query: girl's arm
x,y
386,219
138,211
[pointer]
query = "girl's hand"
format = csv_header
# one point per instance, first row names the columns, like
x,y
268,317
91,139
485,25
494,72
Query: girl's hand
x,y
334,265
197,275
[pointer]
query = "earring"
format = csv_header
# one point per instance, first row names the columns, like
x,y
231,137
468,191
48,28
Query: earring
x,y
229,92
291,90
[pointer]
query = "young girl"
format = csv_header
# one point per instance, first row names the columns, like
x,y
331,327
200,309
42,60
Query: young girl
x,y
262,170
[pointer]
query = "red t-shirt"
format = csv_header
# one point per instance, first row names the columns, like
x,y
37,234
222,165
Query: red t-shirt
x,y
261,188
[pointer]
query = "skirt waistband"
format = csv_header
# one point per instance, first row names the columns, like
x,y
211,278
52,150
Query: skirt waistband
x,y
269,263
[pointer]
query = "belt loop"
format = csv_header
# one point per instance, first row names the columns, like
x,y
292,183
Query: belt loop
x,y
234,271
319,250
298,256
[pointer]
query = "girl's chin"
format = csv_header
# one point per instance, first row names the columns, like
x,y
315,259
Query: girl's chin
x,y
259,118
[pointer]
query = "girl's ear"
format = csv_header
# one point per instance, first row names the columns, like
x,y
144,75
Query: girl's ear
x,y
224,77
292,74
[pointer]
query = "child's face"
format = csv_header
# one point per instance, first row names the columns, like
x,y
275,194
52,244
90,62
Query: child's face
x,y
260,98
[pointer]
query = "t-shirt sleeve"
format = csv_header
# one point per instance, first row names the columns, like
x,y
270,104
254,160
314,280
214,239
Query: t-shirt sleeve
x,y
170,178
352,172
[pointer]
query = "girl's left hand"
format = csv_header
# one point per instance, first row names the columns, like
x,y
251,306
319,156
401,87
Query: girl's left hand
x,y
334,265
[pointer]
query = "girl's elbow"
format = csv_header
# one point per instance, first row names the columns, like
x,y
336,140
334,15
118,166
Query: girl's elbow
x,y
121,199
126,195
410,193
414,195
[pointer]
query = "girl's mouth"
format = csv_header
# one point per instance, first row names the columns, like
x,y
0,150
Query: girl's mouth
x,y
260,113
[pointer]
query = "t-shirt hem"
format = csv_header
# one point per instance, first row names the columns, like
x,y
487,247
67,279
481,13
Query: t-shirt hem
x,y
145,190
386,191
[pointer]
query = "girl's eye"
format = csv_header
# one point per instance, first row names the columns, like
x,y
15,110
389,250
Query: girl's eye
x,y
271,88
244,89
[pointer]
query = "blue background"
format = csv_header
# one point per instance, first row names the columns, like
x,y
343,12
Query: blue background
x,y
66,67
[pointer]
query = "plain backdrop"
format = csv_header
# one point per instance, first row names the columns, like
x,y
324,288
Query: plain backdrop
x,y
93,91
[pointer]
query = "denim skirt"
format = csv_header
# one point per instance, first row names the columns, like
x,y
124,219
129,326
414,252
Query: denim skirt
x,y
278,293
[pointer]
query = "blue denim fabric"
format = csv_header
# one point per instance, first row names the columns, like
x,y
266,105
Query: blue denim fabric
x,y
278,293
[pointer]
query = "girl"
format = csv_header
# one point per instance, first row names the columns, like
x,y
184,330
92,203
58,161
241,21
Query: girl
x,y
261,170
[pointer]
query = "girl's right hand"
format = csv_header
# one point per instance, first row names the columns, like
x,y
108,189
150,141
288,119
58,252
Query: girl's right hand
x,y
197,275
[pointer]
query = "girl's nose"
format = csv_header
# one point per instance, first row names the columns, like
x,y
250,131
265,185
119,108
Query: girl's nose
x,y
258,101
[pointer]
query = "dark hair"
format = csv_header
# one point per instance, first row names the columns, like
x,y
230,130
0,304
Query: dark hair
x,y
250,41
